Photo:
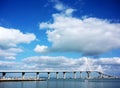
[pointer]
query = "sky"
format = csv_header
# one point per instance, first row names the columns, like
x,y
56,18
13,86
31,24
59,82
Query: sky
x,y
60,34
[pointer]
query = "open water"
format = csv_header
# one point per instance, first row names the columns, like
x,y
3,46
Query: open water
x,y
60,83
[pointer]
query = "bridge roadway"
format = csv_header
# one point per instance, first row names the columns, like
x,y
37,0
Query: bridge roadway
x,y
101,75
41,71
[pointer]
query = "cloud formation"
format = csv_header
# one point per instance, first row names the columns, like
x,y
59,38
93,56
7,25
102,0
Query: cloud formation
x,y
59,7
9,40
41,49
10,53
11,37
88,35
7,64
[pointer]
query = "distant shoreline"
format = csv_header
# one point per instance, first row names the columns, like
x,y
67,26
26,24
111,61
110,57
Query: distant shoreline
x,y
27,80
14,80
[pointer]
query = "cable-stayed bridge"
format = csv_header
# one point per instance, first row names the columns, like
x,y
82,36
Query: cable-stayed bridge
x,y
64,72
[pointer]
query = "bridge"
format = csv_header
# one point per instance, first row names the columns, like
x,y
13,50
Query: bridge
x,y
64,72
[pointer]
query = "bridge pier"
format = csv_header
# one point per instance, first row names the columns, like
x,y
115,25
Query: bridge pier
x,y
88,74
100,75
37,75
23,74
57,75
3,75
81,74
64,75
74,75
48,75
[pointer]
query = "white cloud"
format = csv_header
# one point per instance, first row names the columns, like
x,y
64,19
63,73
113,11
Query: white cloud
x,y
9,40
9,54
69,11
41,49
63,8
11,37
10,65
43,25
59,7
90,36
6,64
113,61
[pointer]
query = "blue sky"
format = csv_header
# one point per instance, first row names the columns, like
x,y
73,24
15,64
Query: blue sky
x,y
48,34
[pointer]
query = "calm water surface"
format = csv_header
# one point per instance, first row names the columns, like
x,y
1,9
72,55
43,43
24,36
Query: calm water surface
x,y
62,84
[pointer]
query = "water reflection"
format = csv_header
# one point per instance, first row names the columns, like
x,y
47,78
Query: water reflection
x,y
22,84
60,84
65,84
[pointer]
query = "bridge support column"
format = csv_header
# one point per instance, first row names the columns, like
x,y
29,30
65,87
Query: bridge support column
x,y
74,75
81,74
100,75
37,75
23,74
48,75
64,75
3,75
57,75
88,74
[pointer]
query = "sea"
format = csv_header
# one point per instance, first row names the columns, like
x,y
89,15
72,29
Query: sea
x,y
63,83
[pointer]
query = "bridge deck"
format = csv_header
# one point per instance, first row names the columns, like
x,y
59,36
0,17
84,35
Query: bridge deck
x,y
41,71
